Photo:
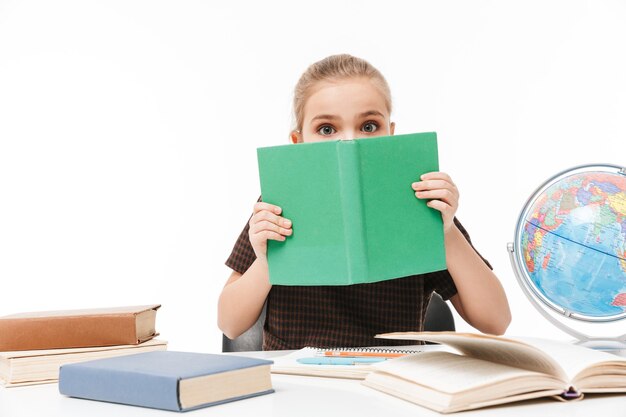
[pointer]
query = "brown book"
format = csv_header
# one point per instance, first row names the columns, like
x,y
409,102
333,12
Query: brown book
x,y
78,328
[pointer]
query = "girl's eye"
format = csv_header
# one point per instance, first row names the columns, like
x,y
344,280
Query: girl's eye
x,y
369,127
326,130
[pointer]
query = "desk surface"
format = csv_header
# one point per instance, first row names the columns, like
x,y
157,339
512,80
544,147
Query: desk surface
x,y
295,396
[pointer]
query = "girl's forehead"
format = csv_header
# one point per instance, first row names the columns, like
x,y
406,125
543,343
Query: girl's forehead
x,y
345,95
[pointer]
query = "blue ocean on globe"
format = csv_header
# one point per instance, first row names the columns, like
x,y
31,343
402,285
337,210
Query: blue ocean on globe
x,y
574,244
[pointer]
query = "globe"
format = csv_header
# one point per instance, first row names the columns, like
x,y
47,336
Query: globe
x,y
569,249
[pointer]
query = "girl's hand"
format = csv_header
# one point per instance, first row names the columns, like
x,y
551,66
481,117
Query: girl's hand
x,y
442,193
267,224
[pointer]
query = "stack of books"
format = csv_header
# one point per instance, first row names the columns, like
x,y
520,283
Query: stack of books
x,y
33,346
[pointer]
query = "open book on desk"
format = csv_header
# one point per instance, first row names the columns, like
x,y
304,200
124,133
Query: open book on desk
x,y
495,370
289,364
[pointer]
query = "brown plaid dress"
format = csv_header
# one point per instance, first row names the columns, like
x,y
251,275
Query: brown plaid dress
x,y
332,316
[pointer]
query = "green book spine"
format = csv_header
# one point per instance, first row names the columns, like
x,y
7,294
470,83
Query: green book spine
x,y
352,209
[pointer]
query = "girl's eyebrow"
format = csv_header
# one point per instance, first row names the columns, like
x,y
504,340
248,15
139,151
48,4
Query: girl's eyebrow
x,y
372,113
324,116
332,117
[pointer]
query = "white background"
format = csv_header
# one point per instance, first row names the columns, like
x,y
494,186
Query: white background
x,y
128,130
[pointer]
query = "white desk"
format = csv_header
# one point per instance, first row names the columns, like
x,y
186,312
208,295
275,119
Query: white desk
x,y
296,396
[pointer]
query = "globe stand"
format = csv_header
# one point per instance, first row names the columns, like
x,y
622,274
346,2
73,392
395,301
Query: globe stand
x,y
593,342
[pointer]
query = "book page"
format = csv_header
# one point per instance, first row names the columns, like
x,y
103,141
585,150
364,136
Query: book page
x,y
64,351
575,359
452,373
518,390
36,367
560,359
491,348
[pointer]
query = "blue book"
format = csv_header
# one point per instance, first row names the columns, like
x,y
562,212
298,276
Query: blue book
x,y
167,380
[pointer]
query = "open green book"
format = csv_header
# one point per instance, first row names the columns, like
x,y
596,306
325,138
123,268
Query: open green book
x,y
355,216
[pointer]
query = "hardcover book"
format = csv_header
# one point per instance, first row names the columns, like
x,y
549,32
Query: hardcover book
x,y
490,370
168,380
78,328
355,216
29,367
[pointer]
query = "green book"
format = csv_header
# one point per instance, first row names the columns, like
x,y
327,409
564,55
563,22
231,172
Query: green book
x,y
355,217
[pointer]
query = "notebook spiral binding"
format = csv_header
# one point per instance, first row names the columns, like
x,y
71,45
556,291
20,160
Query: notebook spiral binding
x,y
362,349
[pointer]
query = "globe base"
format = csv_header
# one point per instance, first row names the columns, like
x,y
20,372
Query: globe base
x,y
606,345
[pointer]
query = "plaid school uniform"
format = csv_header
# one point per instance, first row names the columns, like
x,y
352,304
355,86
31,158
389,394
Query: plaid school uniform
x,y
327,316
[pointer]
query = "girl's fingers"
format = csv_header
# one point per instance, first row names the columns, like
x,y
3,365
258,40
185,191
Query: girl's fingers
x,y
447,212
444,195
436,176
266,215
433,185
259,206
441,206
265,225
269,235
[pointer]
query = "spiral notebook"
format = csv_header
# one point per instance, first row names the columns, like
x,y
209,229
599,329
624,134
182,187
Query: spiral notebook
x,y
289,364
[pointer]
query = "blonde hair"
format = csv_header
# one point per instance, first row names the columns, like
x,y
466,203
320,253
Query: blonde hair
x,y
335,67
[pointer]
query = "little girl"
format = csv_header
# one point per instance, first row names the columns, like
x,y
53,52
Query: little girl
x,y
344,97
